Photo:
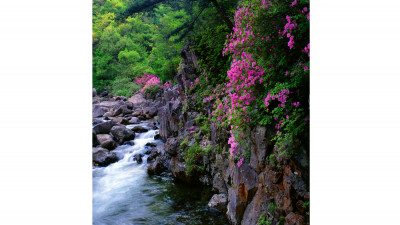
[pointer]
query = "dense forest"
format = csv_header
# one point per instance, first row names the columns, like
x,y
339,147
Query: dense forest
x,y
249,71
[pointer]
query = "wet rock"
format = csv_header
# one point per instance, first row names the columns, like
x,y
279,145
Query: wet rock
x,y
120,120
171,146
154,153
131,143
156,167
134,120
122,134
102,157
138,158
157,136
219,202
219,184
96,121
139,129
178,171
151,144
106,141
104,128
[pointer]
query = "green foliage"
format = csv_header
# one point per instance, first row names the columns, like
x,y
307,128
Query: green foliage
x,y
263,221
123,86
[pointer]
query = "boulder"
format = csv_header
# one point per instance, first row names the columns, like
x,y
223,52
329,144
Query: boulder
x,y
106,141
153,154
94,92
99,111
120,110
157,136
219,202
131,143
156,167
102,157
104,128
129,105
138,158
134,120
150,112
96,121
151,144
137,113
137,99
108,114
95,142
122,134
139,129
120,120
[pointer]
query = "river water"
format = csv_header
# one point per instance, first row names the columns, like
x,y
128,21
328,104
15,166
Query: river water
x,y
123,193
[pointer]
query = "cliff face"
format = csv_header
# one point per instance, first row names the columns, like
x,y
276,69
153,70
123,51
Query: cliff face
x,y
274,189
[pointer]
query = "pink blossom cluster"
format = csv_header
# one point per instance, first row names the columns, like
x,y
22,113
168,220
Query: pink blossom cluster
x,y
281,97
307,49
166,85
289,26
143,80
149,80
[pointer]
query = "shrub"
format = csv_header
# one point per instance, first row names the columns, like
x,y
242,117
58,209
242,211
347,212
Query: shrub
x,y
122,86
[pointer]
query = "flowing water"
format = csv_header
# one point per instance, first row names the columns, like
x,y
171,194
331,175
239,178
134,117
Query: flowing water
x,y
123,193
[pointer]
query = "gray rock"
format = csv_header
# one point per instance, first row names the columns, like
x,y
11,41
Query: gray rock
x,y
139,129
219,184
219,202
106,141
102,157
171,146
104,128
95,142
134,120
138,158
99,111
94,92
122,134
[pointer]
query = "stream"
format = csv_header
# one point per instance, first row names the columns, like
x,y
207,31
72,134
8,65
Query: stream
x,y
123,192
